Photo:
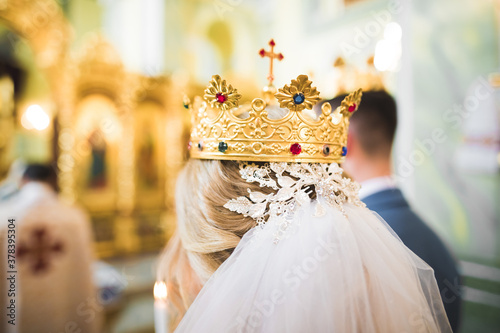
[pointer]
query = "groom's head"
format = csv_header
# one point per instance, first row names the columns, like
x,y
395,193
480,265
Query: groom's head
x,y
40,173
371,132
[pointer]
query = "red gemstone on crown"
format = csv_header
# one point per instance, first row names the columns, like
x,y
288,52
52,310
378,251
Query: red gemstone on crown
x,y
280,56
262,52
295,149
272,43
352,107
221,98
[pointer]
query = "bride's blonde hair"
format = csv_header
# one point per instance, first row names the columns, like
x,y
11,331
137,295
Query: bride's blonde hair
x,y
207,233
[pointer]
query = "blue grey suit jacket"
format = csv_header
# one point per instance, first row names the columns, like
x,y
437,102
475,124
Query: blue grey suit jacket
x,y
418,237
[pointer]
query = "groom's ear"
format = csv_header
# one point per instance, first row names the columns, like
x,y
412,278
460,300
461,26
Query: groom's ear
x,y
351,141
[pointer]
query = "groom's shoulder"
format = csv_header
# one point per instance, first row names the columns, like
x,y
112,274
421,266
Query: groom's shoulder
x,y
409,226
394,209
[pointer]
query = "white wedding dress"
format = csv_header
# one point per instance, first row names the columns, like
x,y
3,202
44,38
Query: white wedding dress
x,y
316,266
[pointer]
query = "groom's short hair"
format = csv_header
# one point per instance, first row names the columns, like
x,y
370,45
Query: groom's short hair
x,y
41,173
374,123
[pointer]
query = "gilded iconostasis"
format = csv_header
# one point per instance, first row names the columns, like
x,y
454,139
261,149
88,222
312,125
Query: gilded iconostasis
x,y
95,87
103,126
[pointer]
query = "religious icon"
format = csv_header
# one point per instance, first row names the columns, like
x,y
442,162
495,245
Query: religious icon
x,y
97,177
146,161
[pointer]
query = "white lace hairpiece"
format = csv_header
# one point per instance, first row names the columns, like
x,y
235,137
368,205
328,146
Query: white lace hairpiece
x,y
330,187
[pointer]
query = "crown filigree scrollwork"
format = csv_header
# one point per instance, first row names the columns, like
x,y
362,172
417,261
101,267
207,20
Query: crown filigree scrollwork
x,y
258,137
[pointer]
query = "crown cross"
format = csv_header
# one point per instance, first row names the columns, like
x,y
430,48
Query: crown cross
x,y
271,55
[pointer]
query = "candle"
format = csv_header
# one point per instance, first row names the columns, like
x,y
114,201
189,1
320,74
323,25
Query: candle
x,y
161,319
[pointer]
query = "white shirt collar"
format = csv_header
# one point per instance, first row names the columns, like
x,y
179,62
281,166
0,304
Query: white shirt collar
x,y
34,191
374,185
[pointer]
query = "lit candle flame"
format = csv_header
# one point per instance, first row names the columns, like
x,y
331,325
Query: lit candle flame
x,y
160,290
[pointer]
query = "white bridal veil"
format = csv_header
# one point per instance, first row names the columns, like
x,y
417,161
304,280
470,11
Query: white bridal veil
x,y
322,265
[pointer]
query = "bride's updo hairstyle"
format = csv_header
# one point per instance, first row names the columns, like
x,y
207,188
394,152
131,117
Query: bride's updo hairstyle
x,y
207,233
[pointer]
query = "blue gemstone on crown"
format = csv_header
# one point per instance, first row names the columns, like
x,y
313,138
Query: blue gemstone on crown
x,y
344,151
222,147
299,98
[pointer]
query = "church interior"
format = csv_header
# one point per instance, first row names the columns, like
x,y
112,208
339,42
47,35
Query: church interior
x,y
95,88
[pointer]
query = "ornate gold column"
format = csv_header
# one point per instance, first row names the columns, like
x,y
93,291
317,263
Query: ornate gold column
x,y
7,121
126,236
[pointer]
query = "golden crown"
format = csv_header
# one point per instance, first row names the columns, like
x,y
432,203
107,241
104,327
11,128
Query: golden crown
x,y
352,77
224,131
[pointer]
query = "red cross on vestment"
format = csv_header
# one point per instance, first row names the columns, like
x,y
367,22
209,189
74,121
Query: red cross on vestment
x,y
40,250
